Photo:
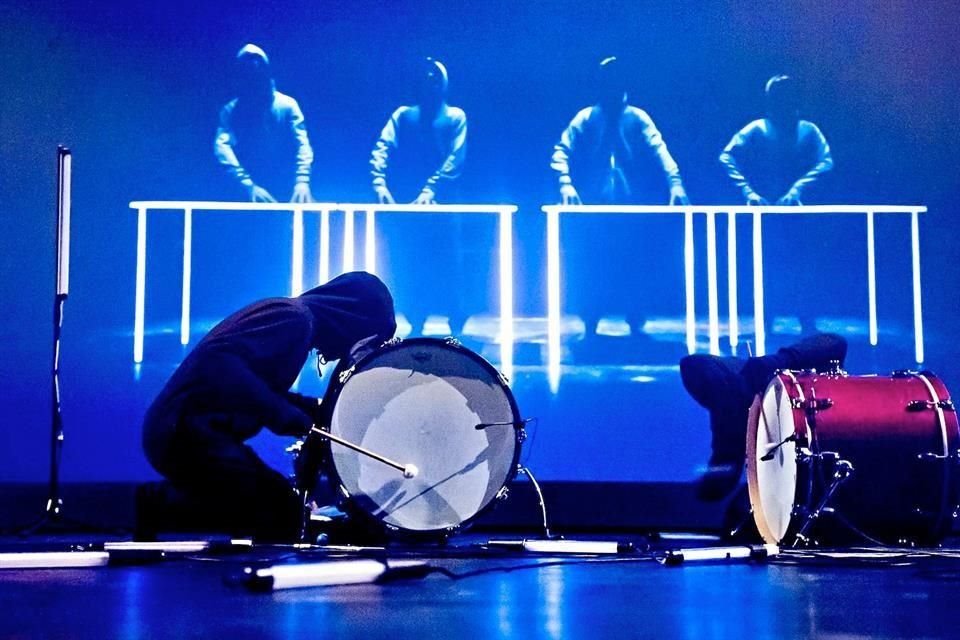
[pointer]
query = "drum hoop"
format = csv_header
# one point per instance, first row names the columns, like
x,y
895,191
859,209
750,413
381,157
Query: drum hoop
x,y
347,503
803,495
948,462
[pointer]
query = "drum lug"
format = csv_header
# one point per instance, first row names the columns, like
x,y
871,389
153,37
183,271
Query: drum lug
x,y
392,341
345,374
925,405
504,380
903,373
504,493
835,371
811,405
936,456
521,435
453,342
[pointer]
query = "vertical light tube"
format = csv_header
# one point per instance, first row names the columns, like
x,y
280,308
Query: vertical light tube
x,y
553,298
347,241
140,297
296,264
63,220
712,302
187,268
370,243
734,313
759,330
506,292
688,279
871,279
324,273
917,308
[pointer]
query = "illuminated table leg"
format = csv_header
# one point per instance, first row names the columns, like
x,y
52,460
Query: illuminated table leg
x,y
187,267
296,260
506,292
141,285
348,241
370,243
917,309
712,303
324,267
553,298
758,316
688,279
734,318
871,279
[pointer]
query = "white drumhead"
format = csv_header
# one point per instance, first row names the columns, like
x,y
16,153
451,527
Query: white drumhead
x,y
772,483
420,404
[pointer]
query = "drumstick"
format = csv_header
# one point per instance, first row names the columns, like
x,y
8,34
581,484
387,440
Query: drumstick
x,y
409,470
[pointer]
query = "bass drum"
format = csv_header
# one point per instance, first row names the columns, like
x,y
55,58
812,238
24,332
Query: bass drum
x,y
433,404
892,440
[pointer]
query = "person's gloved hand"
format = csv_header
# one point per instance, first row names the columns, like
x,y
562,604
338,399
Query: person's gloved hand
x,y
259,194
301,193
569,195
426,197
383,195
754,199
790,199
678,195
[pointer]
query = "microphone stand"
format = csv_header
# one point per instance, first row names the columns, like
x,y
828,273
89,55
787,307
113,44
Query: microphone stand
x,y
53,519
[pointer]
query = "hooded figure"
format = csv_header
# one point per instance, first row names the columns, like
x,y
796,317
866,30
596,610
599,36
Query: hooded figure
x,y
262,141
775,159
234,383
422,147
613,153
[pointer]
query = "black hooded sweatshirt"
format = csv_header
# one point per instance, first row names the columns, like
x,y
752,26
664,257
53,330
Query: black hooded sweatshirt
x,y
239,374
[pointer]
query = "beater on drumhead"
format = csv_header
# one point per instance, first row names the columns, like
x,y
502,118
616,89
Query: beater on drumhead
x,y
409,470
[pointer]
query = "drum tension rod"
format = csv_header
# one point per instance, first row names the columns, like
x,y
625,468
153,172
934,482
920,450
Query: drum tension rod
x,y
925,405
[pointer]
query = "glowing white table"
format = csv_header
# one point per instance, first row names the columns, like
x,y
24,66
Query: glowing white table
x,y
710,212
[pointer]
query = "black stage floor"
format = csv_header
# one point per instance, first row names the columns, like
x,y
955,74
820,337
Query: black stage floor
x,y
475,592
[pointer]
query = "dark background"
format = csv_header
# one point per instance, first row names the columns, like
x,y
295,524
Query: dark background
x,y
134,90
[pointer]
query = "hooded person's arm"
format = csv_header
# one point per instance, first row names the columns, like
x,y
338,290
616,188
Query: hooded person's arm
x,y
224,152
671,170
230,374
453,163
730,159
823,161
298,128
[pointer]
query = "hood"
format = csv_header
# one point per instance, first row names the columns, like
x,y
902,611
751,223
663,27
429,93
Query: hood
x,y
349,308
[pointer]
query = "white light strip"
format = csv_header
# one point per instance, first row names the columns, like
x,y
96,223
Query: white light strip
x,y
822,208
296,260
872,280
138,314
688,280
917,308
66,160
506,293
758,317
584,547
370,243
187,267
734,317
54,559
347,241
712,302
553,299
173,546
324,273
215,205
428,208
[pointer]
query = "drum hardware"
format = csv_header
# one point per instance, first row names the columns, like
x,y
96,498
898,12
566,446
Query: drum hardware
x,y
453,342
835,370
925,405
543,504
345,374
773,450
812,405
842,470
903,373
